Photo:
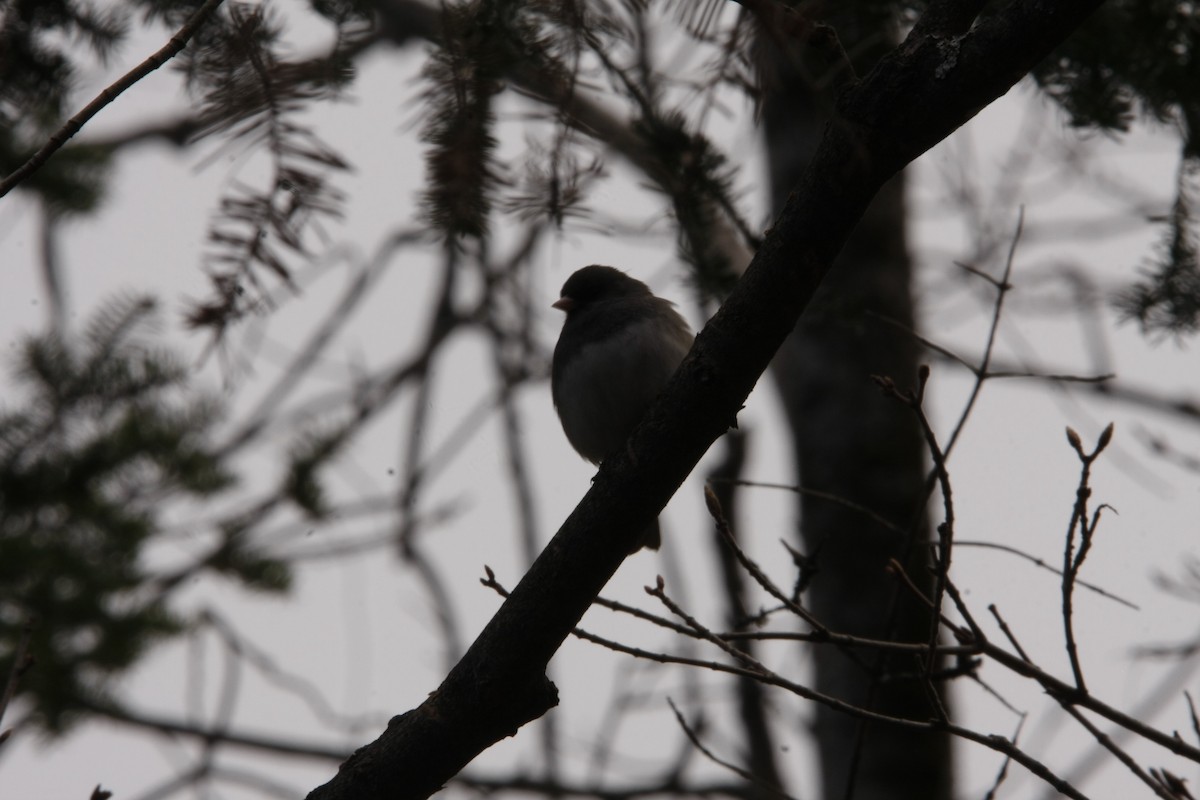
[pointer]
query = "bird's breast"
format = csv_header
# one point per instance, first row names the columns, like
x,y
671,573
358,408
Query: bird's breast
x,y
603,389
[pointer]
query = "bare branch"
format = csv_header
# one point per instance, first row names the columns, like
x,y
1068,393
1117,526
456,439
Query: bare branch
x,y
1108,744
894,114
109,94
1072,559
695,740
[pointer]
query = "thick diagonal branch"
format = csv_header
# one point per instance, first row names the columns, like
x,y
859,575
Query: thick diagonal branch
x,y
914,98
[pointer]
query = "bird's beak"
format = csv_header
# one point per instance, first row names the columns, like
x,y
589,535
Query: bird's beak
x,y
563,304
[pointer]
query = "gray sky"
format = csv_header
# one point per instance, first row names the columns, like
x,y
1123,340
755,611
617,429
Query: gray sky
x,y
362,630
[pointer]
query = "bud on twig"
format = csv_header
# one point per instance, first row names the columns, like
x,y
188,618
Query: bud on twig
x,y
1075,441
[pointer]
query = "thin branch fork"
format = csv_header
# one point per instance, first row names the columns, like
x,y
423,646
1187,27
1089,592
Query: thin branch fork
x,y
715,511
1072,558
1071,698
755,668
1022,664
915,400
1066,694
829,637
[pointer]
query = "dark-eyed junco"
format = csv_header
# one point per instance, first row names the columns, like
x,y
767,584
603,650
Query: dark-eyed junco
x,y
618,347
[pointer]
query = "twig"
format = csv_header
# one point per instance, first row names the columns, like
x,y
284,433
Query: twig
x,y
1003,772
1072,559
956,597
444,320
1103,382
108,95
1174,785
840,639
754,669
714,510
306,691
906,580
658,591
489,580
1192,712
1060,689
1160,447
960,543
359,288
510,371
695,740
1003,287
1012,639
931,694
1111,746
875,517
52,268
995,742
211,734
667,658
999,698
915,401
1054,376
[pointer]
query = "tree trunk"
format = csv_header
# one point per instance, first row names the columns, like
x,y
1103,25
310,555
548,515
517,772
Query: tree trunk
x,y
852,442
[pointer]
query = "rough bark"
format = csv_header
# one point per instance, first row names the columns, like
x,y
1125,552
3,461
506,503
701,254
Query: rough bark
x,y
917,95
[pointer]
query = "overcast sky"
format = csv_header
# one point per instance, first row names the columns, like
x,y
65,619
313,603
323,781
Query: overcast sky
x,y
363,631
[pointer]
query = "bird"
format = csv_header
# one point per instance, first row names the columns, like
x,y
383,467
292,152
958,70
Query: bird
x,y
618,347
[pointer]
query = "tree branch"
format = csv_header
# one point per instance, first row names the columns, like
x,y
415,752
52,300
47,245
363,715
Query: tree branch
x,y
916,96
110,93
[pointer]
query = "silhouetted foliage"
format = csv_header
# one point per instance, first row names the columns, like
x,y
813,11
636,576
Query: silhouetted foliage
x,y
1167,300
106,434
